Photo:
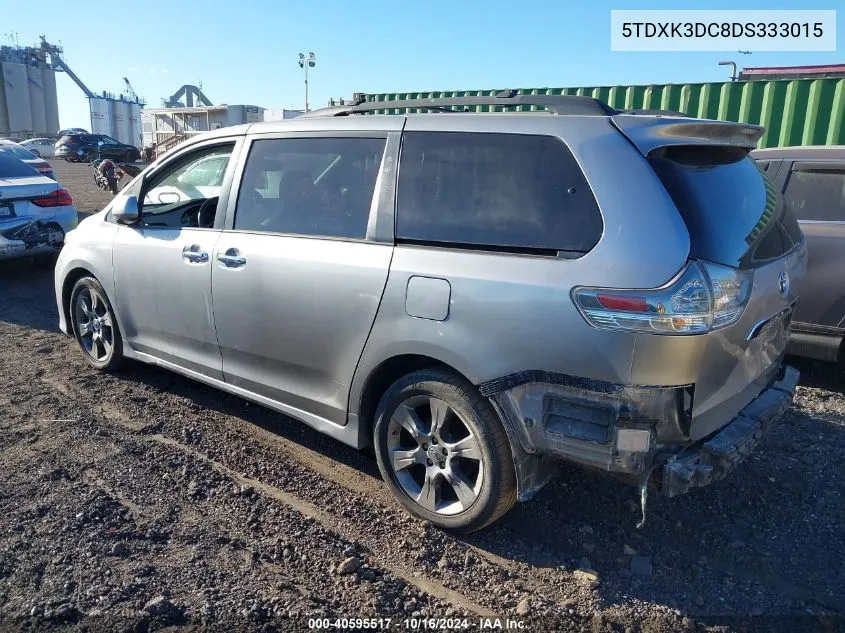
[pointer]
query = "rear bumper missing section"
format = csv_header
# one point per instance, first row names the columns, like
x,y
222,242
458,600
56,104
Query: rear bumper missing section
x,y
637,434
712,459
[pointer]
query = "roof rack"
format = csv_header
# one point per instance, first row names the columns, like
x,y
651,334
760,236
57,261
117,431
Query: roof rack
x,y
556,104
651,112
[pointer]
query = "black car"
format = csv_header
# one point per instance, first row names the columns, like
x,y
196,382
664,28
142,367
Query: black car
x,y
76,147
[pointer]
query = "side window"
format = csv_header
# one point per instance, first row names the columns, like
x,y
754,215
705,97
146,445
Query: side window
x,y
310,186
500,190
107,140
817,194
195,177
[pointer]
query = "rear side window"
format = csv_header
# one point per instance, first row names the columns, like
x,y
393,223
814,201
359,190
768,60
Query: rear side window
x,y
731,209
508,191
816,194
11,167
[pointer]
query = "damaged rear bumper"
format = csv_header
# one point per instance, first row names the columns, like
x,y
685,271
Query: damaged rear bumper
x,y
637,434
31,235
714,458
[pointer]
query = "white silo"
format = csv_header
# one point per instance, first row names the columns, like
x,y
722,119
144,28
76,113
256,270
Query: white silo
x,y
51,100
17,97
36,100
4,115
135,124
101,116
120,117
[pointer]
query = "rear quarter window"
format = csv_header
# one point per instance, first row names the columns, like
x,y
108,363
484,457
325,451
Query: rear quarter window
x,y
501,191
11,167
732,210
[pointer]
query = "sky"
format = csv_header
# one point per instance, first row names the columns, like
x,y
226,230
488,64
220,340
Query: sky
x,y
245,52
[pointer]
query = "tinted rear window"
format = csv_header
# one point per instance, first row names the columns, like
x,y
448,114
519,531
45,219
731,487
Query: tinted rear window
x,y
18,152
506,191
11,167
731,209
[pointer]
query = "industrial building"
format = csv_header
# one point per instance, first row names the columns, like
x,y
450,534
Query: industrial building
x,y
282,115
28,102
164,128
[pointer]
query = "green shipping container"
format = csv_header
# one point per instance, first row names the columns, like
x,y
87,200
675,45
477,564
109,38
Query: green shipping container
x,y
796,112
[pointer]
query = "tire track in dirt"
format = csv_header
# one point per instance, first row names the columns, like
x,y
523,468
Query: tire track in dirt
x,y
303,507
353,480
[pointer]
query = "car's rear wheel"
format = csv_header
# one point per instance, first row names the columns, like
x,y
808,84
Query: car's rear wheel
x,y
443,452
129,157
36,152
95,326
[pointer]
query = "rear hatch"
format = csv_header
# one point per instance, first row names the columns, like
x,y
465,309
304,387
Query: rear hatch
x,y
736,219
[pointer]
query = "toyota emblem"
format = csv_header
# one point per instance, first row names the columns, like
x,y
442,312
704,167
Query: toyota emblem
x,y
783,282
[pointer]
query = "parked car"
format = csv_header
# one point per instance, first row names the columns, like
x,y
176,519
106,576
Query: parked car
x,y
812,180
86,147
35,212
41,147
71,130
477,295
21,153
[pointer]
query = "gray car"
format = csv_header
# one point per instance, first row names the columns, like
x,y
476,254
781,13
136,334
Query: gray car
x,y
812,180
478,295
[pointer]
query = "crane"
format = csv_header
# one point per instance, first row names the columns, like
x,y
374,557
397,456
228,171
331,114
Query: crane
x,y
58,62
129,91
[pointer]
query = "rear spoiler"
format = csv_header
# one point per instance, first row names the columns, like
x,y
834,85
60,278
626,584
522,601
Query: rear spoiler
x,y
650,132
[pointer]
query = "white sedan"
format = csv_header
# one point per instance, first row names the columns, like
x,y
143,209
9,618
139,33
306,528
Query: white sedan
x,y
41,147
35,211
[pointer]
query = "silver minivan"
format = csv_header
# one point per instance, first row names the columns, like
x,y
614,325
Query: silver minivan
x,y
479,295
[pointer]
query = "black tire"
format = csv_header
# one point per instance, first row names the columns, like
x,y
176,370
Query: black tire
x,y
129,156
36,152
113,360
495,476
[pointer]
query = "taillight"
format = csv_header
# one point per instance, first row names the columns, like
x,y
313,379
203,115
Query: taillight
x,y
59,198
703,297
44,169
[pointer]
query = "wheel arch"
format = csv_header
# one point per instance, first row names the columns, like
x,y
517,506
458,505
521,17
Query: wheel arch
x,y
364,400
72,276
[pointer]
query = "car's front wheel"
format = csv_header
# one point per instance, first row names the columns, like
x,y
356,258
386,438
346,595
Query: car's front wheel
x,y
95,326
443,452
36,152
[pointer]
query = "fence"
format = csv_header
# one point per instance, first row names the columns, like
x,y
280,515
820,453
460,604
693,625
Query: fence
x,y
796,112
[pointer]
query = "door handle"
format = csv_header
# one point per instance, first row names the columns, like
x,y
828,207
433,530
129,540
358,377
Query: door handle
x,y
194,254
231,258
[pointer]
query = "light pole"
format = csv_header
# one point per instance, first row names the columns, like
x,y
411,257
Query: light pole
x,y
732,64
305,62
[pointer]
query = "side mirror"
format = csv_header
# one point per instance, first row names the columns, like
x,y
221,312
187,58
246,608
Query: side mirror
x,y
100,143
125,210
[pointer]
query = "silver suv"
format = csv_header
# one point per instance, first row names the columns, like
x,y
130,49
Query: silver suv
x,y
478,295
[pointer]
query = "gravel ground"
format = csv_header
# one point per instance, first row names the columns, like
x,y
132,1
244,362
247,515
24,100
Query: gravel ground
x,y
144,501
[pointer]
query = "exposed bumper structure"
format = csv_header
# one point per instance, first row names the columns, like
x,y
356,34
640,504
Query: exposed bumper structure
x,y
638,434
30,236
714,458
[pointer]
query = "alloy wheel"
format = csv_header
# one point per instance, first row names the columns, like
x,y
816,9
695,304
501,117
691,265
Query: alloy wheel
x,y
435,456
94,325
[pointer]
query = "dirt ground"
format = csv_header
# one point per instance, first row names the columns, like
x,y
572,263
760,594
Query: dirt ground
x,y
143,501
